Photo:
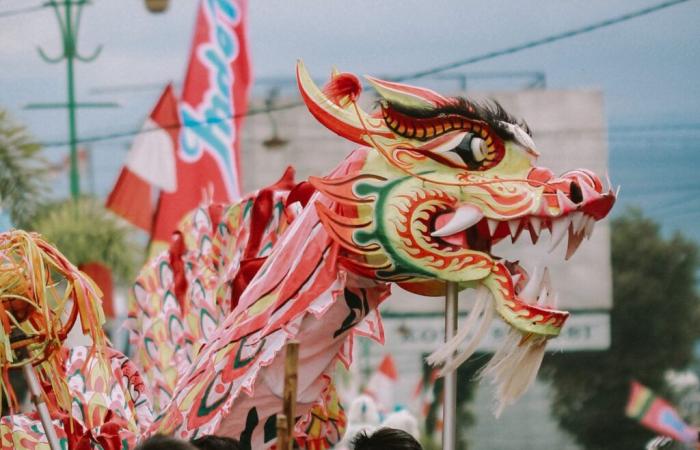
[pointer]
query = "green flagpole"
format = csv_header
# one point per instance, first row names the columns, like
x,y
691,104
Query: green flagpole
x,y
68,14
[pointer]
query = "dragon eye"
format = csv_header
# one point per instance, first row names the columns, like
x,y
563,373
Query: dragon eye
x,y
472,150
478,148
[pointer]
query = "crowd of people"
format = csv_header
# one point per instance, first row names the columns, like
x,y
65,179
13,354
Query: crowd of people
x,y
365,431
381,439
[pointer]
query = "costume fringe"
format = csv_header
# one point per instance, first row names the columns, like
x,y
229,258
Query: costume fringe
x,y
513,367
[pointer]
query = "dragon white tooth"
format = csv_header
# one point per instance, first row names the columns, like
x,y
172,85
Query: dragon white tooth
x,y
617,191
588,191
590,225
532,288
578,220
542,298
547,279
559,228
493,224
565,203
513,225
552,300
465,217
608,183
515,279
536,225
575,240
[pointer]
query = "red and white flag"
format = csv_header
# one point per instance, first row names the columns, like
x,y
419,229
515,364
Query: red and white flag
x,y
200,154
214,100
381,384
149,165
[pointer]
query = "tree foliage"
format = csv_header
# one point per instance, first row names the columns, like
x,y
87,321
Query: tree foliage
x,y
654,323
22,170
466,388
86,232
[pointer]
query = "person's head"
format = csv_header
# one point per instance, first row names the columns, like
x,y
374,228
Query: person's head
x,y
385,439
159,442
212,442
402,420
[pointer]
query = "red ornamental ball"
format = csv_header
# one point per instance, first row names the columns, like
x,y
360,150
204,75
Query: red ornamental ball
x,y
343,88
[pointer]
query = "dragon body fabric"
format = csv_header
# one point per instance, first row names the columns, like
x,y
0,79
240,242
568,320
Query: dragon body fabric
x,y
436,182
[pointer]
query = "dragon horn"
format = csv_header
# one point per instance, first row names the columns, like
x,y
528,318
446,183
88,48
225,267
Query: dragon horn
x,y
347,120
406,95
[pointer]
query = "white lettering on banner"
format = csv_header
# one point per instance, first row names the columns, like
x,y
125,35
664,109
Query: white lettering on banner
x,y
584,331
209,126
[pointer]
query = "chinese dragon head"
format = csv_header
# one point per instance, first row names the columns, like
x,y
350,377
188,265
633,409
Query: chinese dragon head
x,y
446,179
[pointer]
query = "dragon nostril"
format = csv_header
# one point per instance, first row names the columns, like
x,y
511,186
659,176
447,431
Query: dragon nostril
x,y
575,193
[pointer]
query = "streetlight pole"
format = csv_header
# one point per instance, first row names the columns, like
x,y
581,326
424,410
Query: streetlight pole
x,y
69,40
68,14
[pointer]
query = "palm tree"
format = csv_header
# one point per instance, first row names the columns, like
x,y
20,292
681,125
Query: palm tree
x,y
22,170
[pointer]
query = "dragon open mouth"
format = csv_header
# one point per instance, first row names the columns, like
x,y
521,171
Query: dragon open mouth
x,y
525,300
564,219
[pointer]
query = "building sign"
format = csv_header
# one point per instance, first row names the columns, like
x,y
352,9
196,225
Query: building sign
x,y
419,334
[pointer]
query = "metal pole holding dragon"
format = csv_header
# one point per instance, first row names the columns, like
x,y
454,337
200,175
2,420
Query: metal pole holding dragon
x,y
35,391
449,411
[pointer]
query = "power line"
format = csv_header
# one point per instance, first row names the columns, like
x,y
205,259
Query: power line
x,y
133,132
615,140
657,127
543,41
17,12
415,75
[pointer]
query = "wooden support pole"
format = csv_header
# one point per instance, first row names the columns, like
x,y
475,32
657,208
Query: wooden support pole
x,y
282,432
291,370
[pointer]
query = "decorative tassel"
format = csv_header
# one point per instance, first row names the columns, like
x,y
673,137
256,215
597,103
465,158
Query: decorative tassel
x,y
35,314
480,319
343,88
513,368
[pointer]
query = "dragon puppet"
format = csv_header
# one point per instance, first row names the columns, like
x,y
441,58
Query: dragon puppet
x,y
436,183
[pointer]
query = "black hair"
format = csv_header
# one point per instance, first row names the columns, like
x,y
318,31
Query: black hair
x,y
212,442
490,112
160,442
385,439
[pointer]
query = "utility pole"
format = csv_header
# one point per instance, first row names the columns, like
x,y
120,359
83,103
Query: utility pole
x,y
68,14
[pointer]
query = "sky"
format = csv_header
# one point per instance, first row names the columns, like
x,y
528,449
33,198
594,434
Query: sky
x,y
647,69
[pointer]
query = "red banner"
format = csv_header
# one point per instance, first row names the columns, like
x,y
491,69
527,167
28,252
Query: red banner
x,y
214,99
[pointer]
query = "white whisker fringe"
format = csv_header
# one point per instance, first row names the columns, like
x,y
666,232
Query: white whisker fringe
x,y
514,368
484,326
448,349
